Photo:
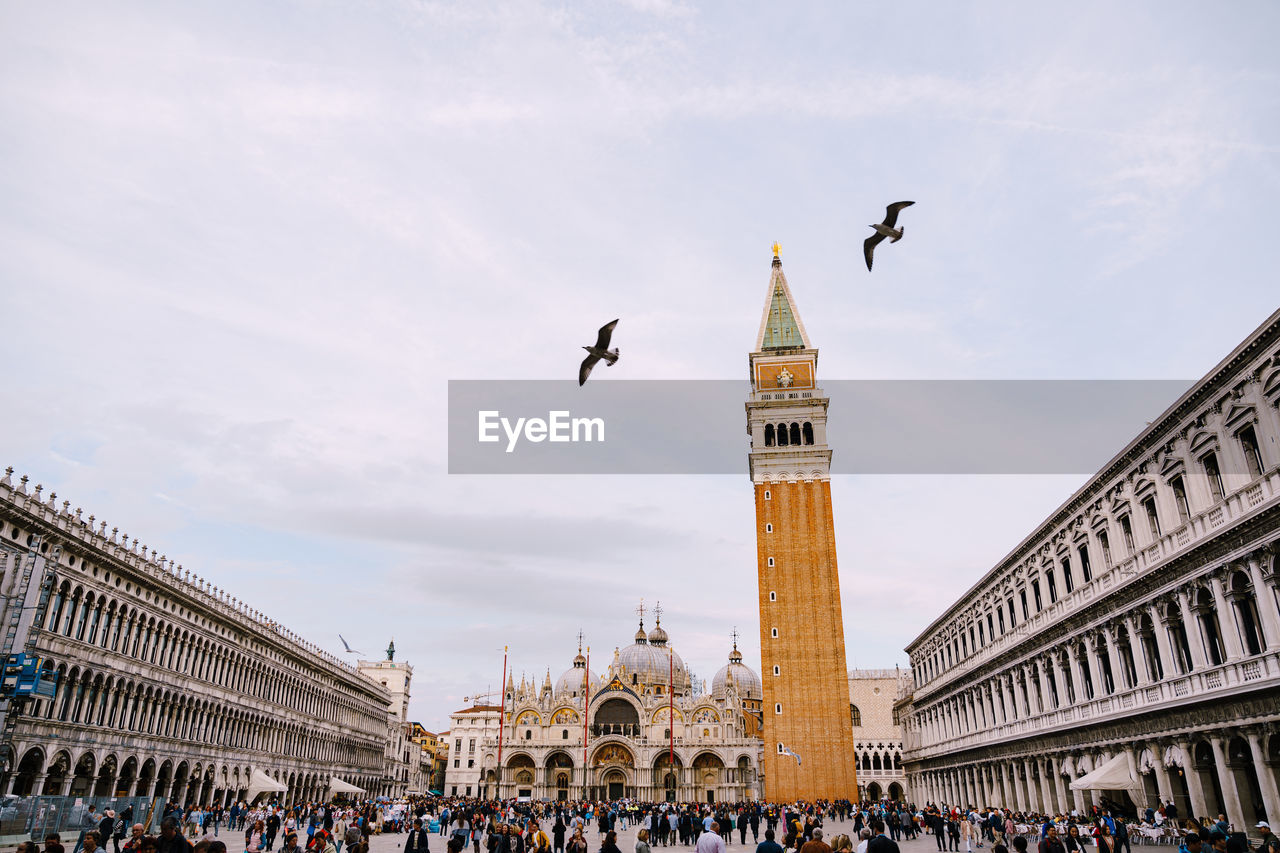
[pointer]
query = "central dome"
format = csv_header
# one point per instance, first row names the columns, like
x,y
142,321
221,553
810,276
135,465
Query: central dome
x,y
650,662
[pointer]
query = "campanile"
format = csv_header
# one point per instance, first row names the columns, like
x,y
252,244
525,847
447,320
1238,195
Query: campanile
x,y
806,682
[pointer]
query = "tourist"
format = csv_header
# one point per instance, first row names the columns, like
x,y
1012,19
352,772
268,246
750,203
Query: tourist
x,y
880,843
255,838
1269,843
768,845
815,844
1191,843
171,840
710,841
642,841
1051,843
610,844
88,822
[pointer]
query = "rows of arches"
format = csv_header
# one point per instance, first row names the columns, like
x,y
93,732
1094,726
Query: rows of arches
x,y
185,781
100,620
1235,772
784,435
86,697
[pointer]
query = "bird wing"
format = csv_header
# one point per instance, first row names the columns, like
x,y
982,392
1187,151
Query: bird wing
x,y
869,246
585,371
606,332
891,212
345,645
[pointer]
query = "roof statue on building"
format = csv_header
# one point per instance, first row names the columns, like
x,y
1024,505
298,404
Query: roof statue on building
x,y
391,649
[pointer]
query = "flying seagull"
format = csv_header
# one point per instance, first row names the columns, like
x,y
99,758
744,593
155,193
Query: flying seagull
x,y
787,751
350,650
885,229
599,351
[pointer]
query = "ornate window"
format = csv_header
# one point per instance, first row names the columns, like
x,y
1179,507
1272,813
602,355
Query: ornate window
x,y
855,716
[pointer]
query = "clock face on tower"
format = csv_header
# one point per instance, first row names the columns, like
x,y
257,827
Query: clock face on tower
x,y
785,378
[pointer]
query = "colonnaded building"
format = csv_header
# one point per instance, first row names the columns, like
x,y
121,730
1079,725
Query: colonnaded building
x,y
641,730
1134,636
163,684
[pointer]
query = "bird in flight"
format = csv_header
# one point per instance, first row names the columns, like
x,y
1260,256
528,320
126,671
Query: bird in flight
x,y
599,351
787,751
350,650
885,229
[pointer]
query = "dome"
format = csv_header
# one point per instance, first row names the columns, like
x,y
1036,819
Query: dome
x,y
744,678
647,659
571,681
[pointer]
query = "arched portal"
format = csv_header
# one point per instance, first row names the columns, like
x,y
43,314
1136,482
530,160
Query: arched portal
x,y
708,772
617,716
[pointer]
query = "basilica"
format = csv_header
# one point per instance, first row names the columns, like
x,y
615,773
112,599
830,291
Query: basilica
x,y
645,729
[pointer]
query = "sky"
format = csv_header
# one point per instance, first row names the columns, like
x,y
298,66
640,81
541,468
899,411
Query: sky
x,y
244,246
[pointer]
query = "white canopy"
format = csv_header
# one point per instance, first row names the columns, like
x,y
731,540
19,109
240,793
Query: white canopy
x,y
260,783
342,786
1112,775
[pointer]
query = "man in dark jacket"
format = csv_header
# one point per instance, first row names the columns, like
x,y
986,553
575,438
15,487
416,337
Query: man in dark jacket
x,y
416,840
880,843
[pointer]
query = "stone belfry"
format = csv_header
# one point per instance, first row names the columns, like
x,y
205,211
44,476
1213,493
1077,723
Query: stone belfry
x,y
806,684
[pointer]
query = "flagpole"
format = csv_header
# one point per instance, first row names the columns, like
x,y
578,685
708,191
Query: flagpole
x,y
502,722
671,708
586,707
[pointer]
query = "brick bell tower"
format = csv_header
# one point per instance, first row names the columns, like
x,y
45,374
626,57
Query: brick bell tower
x,y
806,682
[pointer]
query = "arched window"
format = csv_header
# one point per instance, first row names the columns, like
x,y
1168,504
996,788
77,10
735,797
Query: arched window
x,y
782,435
855,715
768,435
795,433
807,431
875,762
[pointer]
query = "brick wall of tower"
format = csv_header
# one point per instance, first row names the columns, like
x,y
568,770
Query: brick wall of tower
x,y
812,684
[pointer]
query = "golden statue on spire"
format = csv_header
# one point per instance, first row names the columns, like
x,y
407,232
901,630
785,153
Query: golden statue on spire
x,y
777,247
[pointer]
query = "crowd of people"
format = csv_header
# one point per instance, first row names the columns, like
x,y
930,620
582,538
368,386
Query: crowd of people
x,y
569,827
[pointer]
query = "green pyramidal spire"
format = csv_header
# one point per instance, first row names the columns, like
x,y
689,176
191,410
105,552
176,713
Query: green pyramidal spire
x,y
780,328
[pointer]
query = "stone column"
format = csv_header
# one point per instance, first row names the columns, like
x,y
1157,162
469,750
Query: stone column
x,y
1118,682
1136,651
1095,667
65,787
1267,613
1198,805
1227,780
1018,795
997,708
1006,690
1077,678
1046,697
1227,625
1077,800
1195,637
1163,783
1055,667
1266,779
37,784
1160,630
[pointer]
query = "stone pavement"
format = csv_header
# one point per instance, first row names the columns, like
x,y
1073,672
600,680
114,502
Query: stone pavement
x,y
390,843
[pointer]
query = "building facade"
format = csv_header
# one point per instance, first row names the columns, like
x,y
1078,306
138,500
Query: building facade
x,y
877,732
639,731
402,757
1138,625
164,684
807,728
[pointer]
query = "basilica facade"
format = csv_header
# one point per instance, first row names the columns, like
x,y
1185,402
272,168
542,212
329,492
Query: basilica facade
x,y
643,730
